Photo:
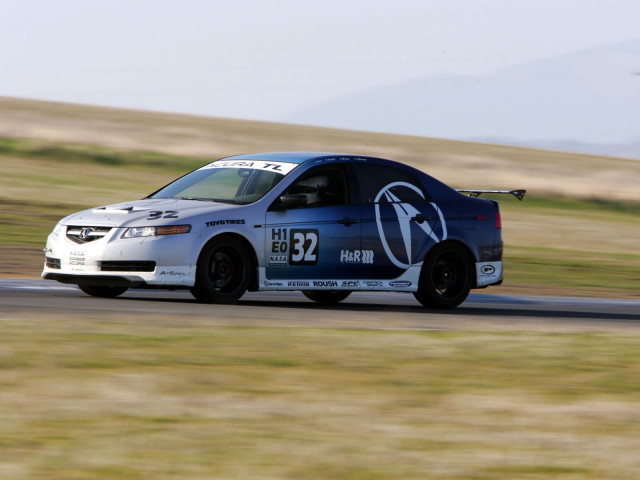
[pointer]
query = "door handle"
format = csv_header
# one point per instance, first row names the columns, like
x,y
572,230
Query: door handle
x,y
346,221
419,218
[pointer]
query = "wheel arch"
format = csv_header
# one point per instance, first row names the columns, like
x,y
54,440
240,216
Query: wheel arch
x,y
465,248
253,282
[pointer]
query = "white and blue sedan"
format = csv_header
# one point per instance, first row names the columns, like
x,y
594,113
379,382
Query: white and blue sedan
x,y
326,224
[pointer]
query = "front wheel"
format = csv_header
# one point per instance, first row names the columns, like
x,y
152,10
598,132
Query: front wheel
x,y
326,296
101,291
223,271
446,277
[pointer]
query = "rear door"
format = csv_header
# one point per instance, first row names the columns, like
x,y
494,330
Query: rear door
x,y
398,220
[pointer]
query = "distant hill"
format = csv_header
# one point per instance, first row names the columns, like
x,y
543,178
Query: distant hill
x,y
460,164
586,101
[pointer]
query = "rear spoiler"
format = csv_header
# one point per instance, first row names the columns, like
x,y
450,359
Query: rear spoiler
x,y
519,194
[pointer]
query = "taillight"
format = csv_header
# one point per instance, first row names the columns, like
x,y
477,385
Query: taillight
x,y
498,219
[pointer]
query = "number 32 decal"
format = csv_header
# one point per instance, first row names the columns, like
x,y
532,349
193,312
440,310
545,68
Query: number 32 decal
x,y
304,247
157,214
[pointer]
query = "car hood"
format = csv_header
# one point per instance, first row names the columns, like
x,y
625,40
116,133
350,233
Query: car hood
x,y
145,212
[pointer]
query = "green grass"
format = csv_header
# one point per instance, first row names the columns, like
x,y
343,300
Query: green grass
x,y
96,155
98,399
570,268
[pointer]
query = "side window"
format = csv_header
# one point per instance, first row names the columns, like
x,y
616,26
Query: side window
x,y
322,186
386,184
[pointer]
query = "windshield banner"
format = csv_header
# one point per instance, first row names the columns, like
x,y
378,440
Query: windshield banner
x,y
279,167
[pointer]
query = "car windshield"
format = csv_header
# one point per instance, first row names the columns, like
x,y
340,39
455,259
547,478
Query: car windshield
x,y
223,184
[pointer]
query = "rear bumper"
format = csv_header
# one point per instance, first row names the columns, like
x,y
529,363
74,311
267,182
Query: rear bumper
x,y
488,273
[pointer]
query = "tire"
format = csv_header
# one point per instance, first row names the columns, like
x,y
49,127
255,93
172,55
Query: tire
x,y
326,296
223,271
445,280
101,291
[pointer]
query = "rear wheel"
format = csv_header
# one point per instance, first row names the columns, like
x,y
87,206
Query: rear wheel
x,y
101,291
446,277
326,296
223,271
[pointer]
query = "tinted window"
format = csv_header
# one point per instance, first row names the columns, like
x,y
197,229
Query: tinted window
x,y
376,181
322,186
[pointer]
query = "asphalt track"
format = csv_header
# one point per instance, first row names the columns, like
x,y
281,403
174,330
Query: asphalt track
x,y
481,311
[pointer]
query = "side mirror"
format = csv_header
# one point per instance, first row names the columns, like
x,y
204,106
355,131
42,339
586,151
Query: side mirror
x,y
294,200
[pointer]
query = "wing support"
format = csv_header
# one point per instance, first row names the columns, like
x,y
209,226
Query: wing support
x,y
519,194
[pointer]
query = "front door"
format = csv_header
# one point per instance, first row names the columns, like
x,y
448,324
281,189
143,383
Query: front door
x,y
311,244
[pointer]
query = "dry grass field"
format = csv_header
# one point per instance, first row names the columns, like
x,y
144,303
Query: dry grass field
x,y
158,398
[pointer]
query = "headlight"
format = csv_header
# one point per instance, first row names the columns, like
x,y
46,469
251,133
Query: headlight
x,y
140,232
57,229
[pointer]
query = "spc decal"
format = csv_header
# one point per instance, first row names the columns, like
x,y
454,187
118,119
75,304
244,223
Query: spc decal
x,y
405,214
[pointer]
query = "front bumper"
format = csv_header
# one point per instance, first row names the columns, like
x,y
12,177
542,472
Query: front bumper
x,y
164,261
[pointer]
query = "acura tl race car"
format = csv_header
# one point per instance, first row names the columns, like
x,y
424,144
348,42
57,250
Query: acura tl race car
x,y
323,223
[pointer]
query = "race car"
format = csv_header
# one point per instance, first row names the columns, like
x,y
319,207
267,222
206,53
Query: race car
x,y
326,224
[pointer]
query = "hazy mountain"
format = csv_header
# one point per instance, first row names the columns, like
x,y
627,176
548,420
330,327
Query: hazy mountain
x,y
588,101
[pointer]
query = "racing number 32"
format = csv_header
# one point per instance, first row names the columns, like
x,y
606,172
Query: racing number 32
x,y
304,247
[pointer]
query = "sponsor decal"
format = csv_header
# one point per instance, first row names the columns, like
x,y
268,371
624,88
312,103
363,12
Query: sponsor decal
x,y
280,167
172,273
273,284
350,284
356,256
279,240
300,243
76,253
291,283
372,283
278,260
404,214
400,283
76,261
215,223
487,270
325,283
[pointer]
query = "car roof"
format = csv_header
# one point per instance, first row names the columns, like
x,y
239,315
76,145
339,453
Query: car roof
x,y
293,157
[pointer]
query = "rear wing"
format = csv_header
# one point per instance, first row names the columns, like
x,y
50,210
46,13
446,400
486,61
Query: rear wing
x,y
519,194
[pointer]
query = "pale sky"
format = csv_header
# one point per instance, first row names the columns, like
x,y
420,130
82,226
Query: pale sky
x,y
263,59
